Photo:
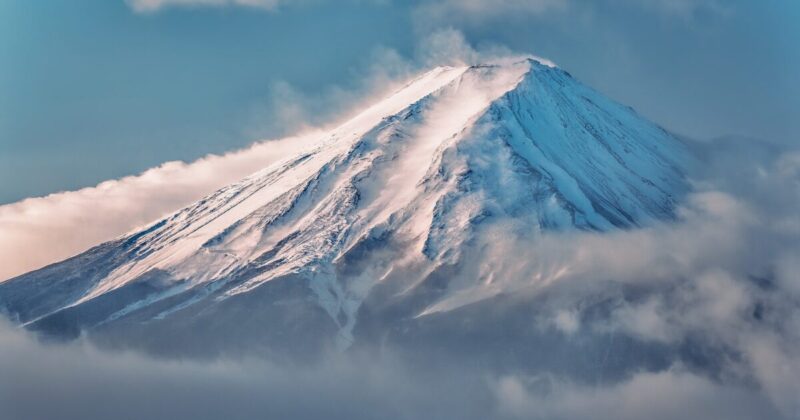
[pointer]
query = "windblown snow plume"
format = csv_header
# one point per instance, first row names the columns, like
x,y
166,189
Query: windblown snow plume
x,y
39,231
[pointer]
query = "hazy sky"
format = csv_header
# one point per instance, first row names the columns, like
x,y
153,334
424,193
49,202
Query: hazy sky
x,y
97,89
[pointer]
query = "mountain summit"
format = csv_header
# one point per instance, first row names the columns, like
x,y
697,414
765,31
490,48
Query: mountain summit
x,y
385,220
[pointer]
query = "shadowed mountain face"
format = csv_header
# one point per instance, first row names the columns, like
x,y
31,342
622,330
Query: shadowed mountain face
x,y
386,231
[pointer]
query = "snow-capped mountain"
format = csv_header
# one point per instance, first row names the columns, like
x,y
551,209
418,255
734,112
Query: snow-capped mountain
x,y
381,221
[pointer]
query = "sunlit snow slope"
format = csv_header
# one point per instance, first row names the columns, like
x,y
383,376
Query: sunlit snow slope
x,y
401,190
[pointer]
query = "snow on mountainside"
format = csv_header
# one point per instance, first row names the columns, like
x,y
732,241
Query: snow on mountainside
x,y
397,195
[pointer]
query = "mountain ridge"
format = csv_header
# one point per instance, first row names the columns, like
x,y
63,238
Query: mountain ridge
x,y
397,194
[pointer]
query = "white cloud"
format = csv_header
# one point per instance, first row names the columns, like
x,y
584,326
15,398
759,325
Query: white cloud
x,y
150,6
145,6
434,13
80,381
449,46
694,280
288,109
671,394
475,8
438,13
684,8
721,280
38,231
483,9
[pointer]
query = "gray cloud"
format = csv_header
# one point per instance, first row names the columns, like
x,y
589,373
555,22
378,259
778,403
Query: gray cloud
x,y
726,271
717,289
670,394
721,279
77,381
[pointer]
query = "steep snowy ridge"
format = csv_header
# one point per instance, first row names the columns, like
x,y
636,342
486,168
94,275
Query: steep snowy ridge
x,y
401,190
194,226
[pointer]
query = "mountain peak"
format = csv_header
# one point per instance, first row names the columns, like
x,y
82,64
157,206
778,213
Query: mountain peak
x,y
393,196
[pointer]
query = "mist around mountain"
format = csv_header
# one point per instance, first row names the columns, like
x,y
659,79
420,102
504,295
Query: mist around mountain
x,y
493,241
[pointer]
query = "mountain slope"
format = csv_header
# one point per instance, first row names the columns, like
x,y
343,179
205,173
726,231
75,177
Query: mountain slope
x,y
400,196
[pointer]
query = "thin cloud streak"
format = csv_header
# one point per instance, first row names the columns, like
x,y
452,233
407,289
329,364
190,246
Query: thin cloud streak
x,y
149,6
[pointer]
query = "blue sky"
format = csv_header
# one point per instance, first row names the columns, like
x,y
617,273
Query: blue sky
x,y
97,89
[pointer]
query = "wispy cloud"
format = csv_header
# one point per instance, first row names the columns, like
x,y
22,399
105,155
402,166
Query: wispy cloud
x,y
39,231
726,272
455,10
79,381
723,279
449,46
145,6
684,8
494,7
671,394
433,14
438,7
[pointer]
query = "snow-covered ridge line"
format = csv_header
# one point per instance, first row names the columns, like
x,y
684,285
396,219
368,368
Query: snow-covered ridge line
x,y
400,193
269,183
